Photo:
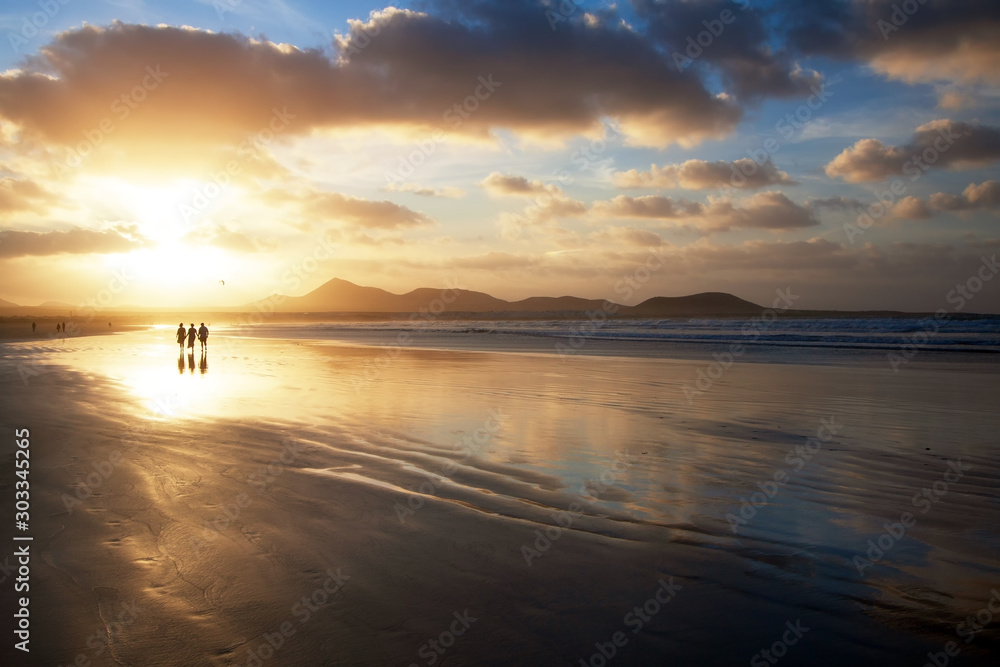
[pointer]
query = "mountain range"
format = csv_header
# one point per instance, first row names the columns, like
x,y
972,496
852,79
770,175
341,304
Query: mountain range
x,y
342,296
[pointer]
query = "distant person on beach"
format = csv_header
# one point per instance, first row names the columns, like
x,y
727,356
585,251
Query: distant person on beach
x,y
181,335
57,328
32,327
192,334
64,327
203,335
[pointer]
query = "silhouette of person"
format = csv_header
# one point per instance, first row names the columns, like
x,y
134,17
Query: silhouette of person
x,y
203,336
181,335
109,325
32,327
58,329
192,333
64,327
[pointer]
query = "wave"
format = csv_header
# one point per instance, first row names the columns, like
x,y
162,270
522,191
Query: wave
x,y
971,335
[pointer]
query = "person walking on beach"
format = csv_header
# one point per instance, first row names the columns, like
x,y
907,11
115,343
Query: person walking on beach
x,y
203,336
32,327
181,335
192,334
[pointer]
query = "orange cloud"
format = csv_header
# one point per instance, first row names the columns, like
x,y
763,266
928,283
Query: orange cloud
x,y
121,238
765,210
704,175
938,144
321,205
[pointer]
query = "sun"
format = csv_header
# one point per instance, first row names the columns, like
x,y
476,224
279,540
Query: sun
x,y
156,209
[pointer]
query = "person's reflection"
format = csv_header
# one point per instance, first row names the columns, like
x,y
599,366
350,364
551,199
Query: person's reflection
x,y
203,364
180,362
191,361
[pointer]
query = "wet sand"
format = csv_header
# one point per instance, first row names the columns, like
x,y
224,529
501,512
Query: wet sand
x,y
316,503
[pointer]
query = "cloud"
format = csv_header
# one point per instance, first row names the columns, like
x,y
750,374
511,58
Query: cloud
x,y
422,191
737,45
651,206
171,97
494,261
811,255
986,195
935,41
911,208
765,210
541,216
362,213
704,175
230,239
836,203
18,194
77,241
549,204
939,143
629,236
517,186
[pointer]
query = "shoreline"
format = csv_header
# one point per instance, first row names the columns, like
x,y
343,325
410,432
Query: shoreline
x,y
520,480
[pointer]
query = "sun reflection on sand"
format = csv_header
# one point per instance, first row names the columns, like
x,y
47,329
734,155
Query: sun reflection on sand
x,y
233,379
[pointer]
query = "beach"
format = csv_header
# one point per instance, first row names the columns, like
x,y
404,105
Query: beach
x,y
304,498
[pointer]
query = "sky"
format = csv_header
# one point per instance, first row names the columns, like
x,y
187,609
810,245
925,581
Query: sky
x,y
845,150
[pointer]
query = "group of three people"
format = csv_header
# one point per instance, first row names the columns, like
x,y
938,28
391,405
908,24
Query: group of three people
x,y
201,333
